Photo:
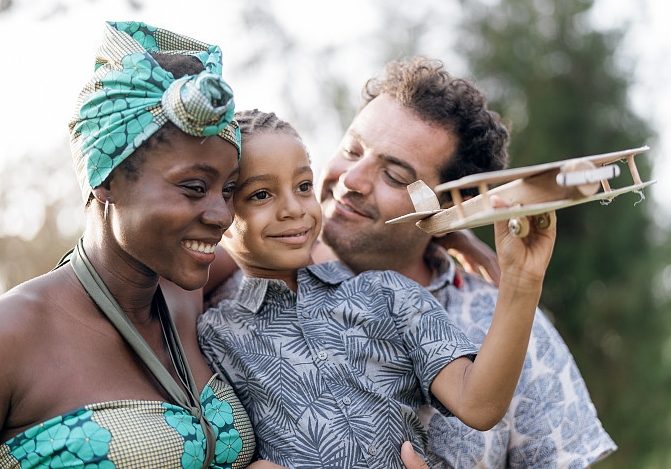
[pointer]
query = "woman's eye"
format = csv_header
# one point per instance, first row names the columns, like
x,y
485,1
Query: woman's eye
x,y
197,188
260,195
229,190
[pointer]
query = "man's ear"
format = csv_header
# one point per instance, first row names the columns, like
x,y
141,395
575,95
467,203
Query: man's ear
x,y
449,204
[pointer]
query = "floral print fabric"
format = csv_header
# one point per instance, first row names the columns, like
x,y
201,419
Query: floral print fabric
x,y
129,434
131,96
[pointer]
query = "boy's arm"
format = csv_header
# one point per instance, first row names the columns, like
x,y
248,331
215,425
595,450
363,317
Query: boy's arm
x,y
479,392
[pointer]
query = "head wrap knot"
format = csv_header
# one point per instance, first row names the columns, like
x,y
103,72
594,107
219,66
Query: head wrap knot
x,y
131,96
199,105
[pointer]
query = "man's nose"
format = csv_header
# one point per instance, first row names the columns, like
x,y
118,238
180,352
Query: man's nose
x,y
358,177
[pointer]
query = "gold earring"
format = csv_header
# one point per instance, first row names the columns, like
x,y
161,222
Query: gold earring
x,y
107,204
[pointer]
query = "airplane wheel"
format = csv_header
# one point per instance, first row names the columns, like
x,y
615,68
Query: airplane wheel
x,y
519,227
545,221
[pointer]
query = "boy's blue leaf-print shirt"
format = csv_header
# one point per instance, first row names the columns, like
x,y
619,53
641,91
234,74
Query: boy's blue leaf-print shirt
x,y
332,376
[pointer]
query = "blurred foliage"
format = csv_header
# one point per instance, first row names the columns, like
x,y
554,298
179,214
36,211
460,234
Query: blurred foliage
x,y
41,214
559,84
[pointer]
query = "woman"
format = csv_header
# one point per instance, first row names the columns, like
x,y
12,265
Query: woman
x,y
94,372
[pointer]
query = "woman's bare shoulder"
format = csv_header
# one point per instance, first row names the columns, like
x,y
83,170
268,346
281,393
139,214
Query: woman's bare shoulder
x,y
27,308
25,322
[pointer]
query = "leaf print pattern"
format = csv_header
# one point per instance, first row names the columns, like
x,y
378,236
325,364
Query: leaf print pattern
x,y
331,376
574,426
551,422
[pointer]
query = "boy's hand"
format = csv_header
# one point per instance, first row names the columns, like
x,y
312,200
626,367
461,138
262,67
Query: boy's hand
x,y
523,260
410,458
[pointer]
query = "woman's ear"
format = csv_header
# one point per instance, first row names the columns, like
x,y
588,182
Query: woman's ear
x,y
102,194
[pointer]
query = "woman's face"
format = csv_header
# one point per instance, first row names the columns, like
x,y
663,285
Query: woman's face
x,y
168,219
277,216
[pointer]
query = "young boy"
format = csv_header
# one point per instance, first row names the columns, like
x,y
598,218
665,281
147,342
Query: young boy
x,y
330,366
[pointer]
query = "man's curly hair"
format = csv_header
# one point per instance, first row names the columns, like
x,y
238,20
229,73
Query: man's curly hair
x,y
425,87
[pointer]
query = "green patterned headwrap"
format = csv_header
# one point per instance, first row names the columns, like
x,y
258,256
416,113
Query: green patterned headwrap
x,y
131,96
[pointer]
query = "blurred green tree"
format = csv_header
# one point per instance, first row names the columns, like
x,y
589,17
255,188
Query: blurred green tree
x,y
558,81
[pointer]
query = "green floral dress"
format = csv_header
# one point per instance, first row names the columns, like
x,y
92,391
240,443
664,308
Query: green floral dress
x,y
136,434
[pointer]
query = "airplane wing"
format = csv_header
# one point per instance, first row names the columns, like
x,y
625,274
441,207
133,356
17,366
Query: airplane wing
x,y
529,191
505,175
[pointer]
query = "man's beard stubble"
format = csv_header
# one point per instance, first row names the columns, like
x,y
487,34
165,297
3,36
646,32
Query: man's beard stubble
x,y
365,249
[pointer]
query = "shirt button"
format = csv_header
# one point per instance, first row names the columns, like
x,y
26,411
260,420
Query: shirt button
x,y
305,314
322,355
346,400
372,450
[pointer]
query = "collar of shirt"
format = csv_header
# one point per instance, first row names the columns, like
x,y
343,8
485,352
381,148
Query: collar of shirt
x,y
443,266
331,272
252,291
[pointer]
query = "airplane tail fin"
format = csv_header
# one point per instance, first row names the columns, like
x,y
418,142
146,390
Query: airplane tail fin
x,y
423,198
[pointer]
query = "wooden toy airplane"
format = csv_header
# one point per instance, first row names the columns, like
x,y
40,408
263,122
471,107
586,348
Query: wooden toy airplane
x,y
531,191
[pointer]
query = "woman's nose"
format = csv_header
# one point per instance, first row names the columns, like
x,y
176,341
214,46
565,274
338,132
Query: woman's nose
x,y
219,212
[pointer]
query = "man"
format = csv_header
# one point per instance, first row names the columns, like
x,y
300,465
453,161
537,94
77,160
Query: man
x,y
417,122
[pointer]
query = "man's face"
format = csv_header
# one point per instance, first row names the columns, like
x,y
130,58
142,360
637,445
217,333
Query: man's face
x,y
385,148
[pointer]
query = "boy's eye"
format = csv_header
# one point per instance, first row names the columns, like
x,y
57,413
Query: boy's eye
x,y
305,186
260,195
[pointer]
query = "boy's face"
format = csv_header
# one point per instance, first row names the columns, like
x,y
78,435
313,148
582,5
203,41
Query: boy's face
x,y
277,216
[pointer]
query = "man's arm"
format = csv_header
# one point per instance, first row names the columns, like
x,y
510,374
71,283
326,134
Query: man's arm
x,y
558,425
473,254
223,267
